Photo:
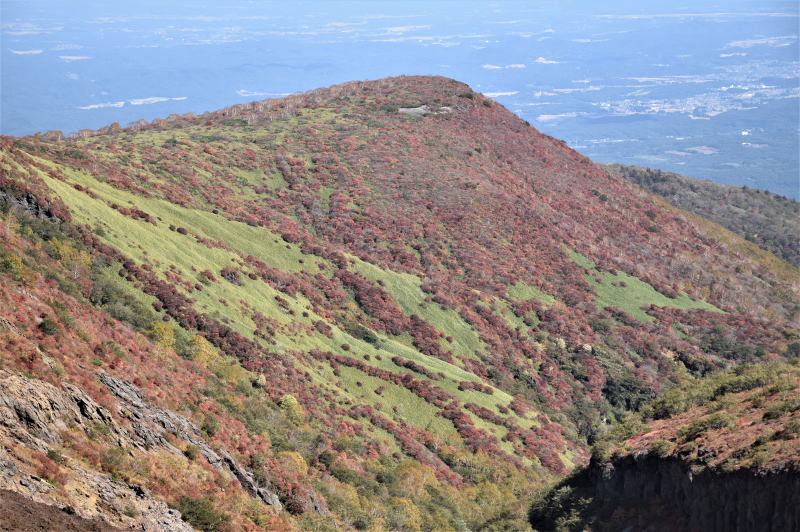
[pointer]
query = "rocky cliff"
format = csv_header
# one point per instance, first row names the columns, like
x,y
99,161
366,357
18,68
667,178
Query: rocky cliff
x,y
716,454
664,494
33,415
645,492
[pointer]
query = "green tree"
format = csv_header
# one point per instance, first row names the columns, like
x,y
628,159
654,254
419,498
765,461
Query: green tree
x,y
292,408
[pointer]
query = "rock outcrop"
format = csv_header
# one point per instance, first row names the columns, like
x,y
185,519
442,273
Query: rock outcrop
x,y
707,500
641,491
424,110
29,203
33,414
151,424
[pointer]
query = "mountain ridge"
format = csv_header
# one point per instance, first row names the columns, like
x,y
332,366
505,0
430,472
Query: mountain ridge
x,y
750,213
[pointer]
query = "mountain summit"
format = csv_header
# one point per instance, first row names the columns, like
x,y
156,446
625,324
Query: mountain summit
x,y
385,304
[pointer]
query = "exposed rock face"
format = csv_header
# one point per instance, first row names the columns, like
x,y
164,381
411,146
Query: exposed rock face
x,y
663,494
150,424
33,413
641,492
424,110
30,204
108,503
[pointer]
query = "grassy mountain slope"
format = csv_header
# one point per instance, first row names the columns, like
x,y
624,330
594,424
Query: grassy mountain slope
x,y
769,220
388,319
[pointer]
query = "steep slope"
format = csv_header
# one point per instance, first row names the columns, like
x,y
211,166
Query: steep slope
x,y
764,218
392,303
18,513
69,437
721,453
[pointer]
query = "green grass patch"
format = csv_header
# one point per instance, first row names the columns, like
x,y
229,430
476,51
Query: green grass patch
x,y
630,293
522,291
413,409
406,291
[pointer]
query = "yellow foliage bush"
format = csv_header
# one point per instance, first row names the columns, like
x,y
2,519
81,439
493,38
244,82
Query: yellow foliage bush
x,y
292,408
294,461
412,477
14,265
163,334
404,515
201,349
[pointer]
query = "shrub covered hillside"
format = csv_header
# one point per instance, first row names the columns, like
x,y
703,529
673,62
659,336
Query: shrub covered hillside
x,y
765,218
380,305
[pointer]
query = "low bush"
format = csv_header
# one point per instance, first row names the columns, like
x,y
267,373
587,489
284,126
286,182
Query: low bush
x,y
49,327
201,514
661,448
698,426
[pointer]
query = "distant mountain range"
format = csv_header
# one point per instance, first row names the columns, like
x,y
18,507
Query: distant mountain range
x,y
765,218
380,305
